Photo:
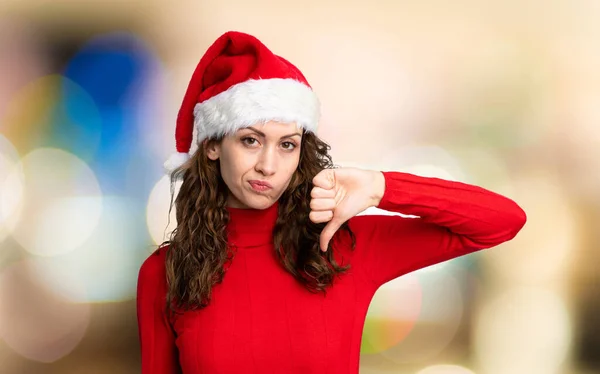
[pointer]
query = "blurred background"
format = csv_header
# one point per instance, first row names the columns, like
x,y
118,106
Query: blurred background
x,y
502,94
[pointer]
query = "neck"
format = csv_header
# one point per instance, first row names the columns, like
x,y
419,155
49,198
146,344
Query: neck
x,y
251,227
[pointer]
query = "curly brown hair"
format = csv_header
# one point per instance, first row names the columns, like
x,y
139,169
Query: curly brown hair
x,y
198,247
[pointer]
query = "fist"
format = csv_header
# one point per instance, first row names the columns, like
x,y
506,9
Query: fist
x,y
340,194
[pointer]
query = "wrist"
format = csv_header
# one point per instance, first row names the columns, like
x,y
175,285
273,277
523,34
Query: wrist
x,y
378,189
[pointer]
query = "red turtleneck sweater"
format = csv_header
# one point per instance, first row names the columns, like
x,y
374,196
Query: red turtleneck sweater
x,y
261,320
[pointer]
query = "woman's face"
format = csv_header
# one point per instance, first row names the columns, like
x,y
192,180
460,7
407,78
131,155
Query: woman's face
x,y
257,163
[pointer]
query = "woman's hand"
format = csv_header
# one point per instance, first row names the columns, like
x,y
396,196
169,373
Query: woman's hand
x,y
340,194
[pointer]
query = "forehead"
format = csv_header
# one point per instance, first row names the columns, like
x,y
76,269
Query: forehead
x,y
273,128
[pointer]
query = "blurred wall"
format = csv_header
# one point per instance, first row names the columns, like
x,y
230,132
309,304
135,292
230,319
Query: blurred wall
x,y
503,94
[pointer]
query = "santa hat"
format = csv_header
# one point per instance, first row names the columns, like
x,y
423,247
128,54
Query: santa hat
x,y
239,82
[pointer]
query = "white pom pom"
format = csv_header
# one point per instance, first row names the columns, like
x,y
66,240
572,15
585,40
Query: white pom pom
x,y
175,161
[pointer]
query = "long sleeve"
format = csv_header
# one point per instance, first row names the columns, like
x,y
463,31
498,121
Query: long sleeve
x,y
454,219
157,340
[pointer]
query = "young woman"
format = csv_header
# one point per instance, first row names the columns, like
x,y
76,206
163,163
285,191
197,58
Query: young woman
x,y
269,269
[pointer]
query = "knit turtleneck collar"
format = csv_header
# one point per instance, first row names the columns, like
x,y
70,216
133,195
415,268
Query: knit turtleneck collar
x,y
251,227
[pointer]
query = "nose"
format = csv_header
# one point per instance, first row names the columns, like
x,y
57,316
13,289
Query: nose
x,y
267,161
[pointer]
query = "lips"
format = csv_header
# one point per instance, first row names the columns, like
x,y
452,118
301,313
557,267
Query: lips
x,y
261,184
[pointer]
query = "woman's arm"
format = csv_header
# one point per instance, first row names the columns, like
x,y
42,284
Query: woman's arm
x,y
454,219
157,340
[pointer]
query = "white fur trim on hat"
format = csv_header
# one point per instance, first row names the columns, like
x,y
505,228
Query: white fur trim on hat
x,y
175,161
254,101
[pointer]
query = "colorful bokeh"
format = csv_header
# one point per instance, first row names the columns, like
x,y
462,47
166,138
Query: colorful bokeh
x,y
502,94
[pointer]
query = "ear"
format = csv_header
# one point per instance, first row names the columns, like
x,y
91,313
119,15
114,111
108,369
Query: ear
x,y
213,149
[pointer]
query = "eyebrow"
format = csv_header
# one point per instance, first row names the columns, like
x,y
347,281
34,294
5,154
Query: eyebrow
x,y
264,136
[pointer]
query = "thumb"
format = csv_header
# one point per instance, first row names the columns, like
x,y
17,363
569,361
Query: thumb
x,y
328,232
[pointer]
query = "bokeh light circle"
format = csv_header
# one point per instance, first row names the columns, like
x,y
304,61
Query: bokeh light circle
x,y
157,210
106,266
392,314
34,322
28,115
54,112
62,202
11,188
438,321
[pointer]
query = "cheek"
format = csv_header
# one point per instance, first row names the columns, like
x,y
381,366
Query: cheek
x,y
289,170
233,170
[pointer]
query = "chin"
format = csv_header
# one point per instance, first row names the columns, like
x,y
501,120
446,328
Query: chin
x,y
253,201
260,203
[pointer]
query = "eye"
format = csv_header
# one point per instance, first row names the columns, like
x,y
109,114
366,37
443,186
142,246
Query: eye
x,y
288,146
250,141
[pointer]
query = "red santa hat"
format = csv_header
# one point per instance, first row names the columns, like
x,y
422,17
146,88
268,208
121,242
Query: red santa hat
x,y
239,82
